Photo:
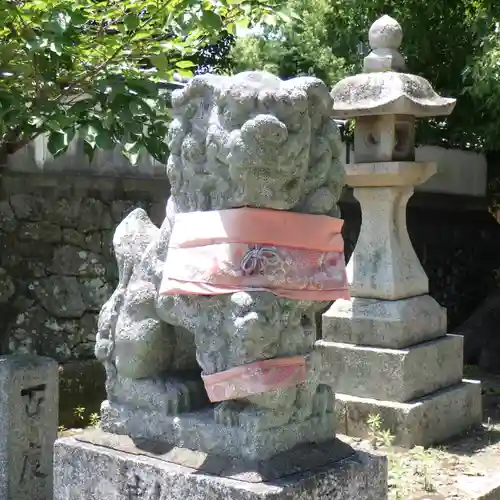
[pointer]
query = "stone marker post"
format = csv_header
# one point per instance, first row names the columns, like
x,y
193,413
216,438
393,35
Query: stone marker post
x,y
398,361
29,387
215,387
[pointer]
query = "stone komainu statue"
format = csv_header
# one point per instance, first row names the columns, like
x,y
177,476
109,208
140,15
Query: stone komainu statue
x,y
211,329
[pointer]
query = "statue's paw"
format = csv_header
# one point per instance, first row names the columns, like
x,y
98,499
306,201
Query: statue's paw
x,y
244,413
103,348
171,396
227,413
177,397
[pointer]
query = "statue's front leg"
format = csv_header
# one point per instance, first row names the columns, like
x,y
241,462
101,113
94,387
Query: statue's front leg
x,y
144,355
269,341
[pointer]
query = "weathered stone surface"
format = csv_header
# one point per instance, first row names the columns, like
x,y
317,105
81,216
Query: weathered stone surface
x,y
395,374
8,221
95,292
7,287
26,206
252,439
34,268
79,473
393,324
60,296
91,241
384,264
55,273
40,231
70,261
423,422
24,330
139,341
394,93
94,215
277,147
66,212
29,420
121,208
36,332
268,144
295,461
380,89
389,174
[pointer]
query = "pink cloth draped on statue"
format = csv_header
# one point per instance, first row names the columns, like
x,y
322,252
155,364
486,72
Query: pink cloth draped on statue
x,y
255,378
292,255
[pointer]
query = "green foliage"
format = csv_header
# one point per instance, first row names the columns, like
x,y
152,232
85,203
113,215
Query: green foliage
x,y
378,436
91,66
83,416
79,412
302,46
455,44
483,73
95,420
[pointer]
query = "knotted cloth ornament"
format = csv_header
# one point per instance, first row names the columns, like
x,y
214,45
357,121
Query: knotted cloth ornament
x,y
292,255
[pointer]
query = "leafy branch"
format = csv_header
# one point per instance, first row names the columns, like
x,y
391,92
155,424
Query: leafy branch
x,y
91,68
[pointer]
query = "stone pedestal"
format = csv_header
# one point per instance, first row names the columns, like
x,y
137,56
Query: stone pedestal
x,y
100,466
200,430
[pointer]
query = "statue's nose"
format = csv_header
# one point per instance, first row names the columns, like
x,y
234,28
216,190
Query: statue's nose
x,y
265,129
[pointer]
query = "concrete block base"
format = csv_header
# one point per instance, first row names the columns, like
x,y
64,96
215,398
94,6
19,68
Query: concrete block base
x,y
425,421
393,374
84,469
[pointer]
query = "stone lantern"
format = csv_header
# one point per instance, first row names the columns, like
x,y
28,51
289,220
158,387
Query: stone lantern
x,y
398,362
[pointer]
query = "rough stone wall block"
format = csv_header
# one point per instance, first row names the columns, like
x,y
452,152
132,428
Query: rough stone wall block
x,y
29,388
391,335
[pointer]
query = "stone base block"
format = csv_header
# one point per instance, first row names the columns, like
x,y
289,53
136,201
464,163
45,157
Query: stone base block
x,y
86,470
393,374
200,430
426,421
394,324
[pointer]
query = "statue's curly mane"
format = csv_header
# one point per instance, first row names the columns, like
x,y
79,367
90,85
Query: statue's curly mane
x,y
254,140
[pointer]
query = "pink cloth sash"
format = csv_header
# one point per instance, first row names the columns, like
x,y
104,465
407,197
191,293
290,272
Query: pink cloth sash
x,y
255,378
292,255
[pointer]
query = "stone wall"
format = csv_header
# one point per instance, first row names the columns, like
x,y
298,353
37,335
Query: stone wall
x,y
56,263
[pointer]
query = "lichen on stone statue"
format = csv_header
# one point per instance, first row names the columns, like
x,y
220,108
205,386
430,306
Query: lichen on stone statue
x,y
248,148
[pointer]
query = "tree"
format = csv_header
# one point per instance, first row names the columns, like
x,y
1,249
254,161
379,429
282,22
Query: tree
x,y
452,43
214,58
299,47
91,66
